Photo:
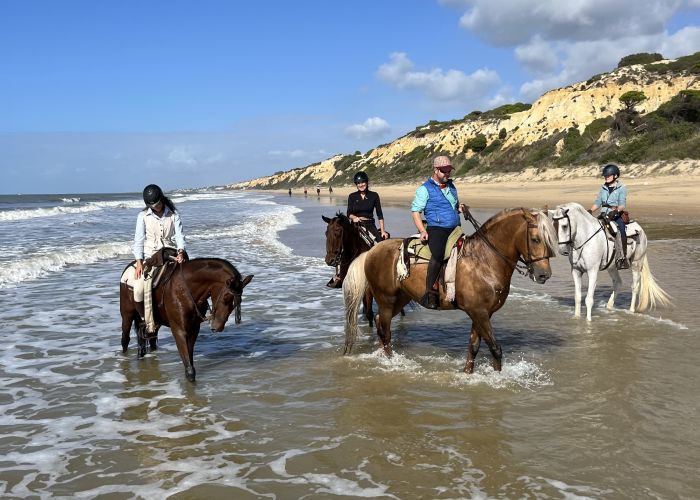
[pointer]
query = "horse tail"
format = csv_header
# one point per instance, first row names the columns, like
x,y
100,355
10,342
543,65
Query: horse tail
x,y
354,287
650,293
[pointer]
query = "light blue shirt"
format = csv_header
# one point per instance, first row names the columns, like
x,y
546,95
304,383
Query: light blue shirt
x,y
140,234
420,200
618,197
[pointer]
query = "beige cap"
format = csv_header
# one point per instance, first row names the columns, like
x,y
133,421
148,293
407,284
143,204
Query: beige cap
x,y
442,161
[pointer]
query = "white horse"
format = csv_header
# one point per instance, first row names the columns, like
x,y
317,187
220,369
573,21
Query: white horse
x,y
582,237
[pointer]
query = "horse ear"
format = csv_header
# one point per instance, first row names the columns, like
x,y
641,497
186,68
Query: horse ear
x,y
246,280
529,216
326,219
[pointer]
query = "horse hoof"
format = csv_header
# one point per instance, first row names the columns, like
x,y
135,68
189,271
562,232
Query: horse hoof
x,y
191,375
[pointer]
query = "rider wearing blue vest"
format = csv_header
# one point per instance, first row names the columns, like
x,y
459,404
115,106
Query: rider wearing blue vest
x,y
437,199
611,199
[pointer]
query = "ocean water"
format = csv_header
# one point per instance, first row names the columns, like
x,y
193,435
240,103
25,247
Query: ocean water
x,y
599,410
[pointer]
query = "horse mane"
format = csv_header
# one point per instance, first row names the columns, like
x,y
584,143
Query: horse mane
x,y
544,226
223,262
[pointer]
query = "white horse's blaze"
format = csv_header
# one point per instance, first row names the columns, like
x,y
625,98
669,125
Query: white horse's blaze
x,y
582,239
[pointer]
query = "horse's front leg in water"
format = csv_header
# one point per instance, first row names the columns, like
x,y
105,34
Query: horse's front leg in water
x,y
617,282
472,350
182,348
592,281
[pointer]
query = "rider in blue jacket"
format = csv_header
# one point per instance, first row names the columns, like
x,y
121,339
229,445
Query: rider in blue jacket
x,y
437,199
611,200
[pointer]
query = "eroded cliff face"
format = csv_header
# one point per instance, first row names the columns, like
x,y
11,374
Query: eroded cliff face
x,y
557,110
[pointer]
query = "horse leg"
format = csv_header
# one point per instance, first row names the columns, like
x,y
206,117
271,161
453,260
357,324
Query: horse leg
x,y
474,343
617,281
592,280
387,311
486,332
127,321
576,274
191,339
367,307
183,349
636,274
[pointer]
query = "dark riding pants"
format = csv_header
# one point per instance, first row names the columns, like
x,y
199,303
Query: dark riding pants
x,y
437,239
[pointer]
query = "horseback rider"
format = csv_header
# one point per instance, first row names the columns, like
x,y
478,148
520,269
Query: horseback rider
x,y
611,200
361,207
157,226
437,199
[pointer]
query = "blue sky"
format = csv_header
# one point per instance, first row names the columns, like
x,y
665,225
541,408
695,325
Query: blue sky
x,y
100,96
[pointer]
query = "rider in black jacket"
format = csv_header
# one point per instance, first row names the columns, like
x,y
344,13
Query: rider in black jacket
x,y
361,207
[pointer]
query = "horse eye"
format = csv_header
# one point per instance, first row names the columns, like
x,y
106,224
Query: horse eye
x,y
536,239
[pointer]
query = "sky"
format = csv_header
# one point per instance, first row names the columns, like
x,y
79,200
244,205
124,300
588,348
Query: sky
x,y
108,96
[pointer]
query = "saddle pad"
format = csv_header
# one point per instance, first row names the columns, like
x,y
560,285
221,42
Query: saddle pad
x,y
421,251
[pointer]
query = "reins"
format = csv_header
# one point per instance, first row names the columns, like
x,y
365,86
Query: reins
x,y
523,269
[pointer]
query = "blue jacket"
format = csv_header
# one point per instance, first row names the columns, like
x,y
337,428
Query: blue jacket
x,y
439,210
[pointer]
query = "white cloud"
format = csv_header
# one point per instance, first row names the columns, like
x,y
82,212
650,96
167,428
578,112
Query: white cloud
x,y
694,3
683,42
372,128
437,84
516,22
538,56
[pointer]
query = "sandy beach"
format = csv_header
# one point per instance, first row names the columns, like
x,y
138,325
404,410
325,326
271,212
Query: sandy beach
x,y
655,191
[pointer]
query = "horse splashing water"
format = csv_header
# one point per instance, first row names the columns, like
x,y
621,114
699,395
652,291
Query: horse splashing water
x,y
582,238
181,302
484,270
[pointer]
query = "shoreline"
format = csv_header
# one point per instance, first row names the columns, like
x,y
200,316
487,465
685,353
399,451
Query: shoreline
x,y
651,197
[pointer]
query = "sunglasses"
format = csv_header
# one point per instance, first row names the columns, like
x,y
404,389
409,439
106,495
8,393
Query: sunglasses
x,y
445,170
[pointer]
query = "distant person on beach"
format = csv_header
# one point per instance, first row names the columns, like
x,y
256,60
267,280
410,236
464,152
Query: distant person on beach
x,y
362,205
330,189
611,199
318,191
305,191
437,199
290,191
157,226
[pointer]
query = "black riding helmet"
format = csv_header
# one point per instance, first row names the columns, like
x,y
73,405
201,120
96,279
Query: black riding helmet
x,y
611,169
152,194
360,177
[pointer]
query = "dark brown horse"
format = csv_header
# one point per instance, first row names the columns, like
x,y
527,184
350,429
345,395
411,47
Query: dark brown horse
x,y
487,260
181,303
343,244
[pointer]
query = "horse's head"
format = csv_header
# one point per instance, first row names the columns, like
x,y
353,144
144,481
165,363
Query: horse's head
x,y
540,243
568,218
226,300
334,239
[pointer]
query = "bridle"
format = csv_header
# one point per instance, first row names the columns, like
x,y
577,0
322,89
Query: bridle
x,y
523,266
570,242
337,258
237,299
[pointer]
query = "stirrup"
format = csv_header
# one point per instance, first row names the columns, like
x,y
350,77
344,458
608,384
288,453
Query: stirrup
x,y
622,264
430,300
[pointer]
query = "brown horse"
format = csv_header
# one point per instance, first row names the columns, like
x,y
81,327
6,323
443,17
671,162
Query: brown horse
x,y
181,302
510,239
343,244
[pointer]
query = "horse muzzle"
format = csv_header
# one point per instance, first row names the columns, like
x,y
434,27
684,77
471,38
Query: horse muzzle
x,y
540,275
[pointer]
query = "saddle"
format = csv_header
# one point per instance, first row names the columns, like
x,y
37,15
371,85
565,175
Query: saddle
x,y
413,248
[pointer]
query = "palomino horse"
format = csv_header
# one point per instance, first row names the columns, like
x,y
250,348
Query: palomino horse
x,y
484,269
581,236
343,244
181,302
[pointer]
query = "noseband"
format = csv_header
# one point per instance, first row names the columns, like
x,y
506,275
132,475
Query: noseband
x,y
570,241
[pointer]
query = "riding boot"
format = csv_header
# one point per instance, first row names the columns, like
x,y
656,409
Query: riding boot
x,y
623,262
431,299
140,310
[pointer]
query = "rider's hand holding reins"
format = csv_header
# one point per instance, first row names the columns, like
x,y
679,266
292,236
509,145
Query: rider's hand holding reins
x,y
139,269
